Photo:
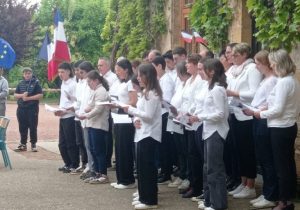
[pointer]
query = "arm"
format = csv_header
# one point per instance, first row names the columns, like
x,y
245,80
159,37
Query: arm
x,y
4,89
132,98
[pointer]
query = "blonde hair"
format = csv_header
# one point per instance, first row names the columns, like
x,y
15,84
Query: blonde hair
x,y
262,57
283,62
242,48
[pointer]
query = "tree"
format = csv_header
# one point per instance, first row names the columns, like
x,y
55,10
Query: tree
x,y
16,26
277,21
212,19
132,27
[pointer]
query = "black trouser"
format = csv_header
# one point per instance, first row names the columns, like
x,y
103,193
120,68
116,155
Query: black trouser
x,y
109,142
181,148
195,160
165,149
243,134
231,159
67,142
124,136
147,171
80,142
28,119
264,155
283,140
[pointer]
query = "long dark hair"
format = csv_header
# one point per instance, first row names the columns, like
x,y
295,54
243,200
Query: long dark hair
x,y
219,76
126,65
94,75
148,72
86,66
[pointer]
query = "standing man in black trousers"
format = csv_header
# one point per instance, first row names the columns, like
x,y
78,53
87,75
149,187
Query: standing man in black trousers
x,y
28,93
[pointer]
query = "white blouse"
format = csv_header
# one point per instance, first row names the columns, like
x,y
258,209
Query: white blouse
x,y
148,111
123,91
215,113
167,86
110,77
283,103
67,90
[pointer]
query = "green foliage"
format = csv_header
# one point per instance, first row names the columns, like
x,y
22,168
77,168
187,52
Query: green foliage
x,y
212,18
277,22
132,27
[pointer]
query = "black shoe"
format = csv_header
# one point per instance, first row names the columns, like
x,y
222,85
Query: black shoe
x,y
164,180
62,168
183,191
189,194
33,148
21,148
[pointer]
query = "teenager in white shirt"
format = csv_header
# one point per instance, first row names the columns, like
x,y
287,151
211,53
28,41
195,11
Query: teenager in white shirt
x,y
104,69
165,150
261,133
282,114
124,132
215,129
67,140
148,124
242,88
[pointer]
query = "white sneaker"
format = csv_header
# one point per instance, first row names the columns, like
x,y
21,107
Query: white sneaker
x,y
209,208
135,194
145,206
184,185
135,203
237,190
257,199
113,184
122,186
176,183
136,198
263,203
246,193
201,205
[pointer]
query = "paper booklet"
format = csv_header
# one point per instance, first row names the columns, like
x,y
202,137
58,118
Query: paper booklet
x,y
121,118
52,109
116,103
184,121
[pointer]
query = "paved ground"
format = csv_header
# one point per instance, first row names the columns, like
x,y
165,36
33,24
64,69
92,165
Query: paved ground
x,y
35,183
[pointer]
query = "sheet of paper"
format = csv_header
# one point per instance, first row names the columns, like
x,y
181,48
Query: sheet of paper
x,y
104,103
121,118
184,121
245,106
52,109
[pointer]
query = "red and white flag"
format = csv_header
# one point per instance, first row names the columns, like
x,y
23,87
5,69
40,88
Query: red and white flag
x,y
187,37
58,52
199,39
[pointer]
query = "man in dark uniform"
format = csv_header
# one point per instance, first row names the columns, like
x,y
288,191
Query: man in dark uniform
x,y
28,93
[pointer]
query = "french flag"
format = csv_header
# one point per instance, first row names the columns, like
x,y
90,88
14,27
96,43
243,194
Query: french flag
x,y
58,52
187,37
199,39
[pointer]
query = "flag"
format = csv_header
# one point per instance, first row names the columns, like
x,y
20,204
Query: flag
x,y
59,52
7,55
43,54
199,39
187,37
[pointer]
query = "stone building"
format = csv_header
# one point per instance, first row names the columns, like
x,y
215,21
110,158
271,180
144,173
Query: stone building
x,y
241,30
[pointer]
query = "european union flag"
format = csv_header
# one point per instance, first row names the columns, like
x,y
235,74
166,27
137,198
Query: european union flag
x,y
7,55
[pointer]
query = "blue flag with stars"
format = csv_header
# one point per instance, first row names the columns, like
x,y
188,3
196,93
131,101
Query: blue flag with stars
x,y
7,55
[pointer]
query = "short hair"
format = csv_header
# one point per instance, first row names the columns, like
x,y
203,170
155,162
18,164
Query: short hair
x,y
160,60
242,48
194,58
283,62
86,66
156,52
77,63
262,57
168,55
68,67
179,51
107,61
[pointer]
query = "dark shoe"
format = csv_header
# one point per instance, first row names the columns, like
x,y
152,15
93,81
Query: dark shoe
x,y
21,148
189,194
282,206
62,168
33,148
163,180
183,191
68,170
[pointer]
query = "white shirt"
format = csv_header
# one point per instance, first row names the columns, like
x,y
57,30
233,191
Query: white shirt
x,y
215,113
188,93
246,83
148,111
167,86
67,89
110,77
123,91
262,93
176,102
283,103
